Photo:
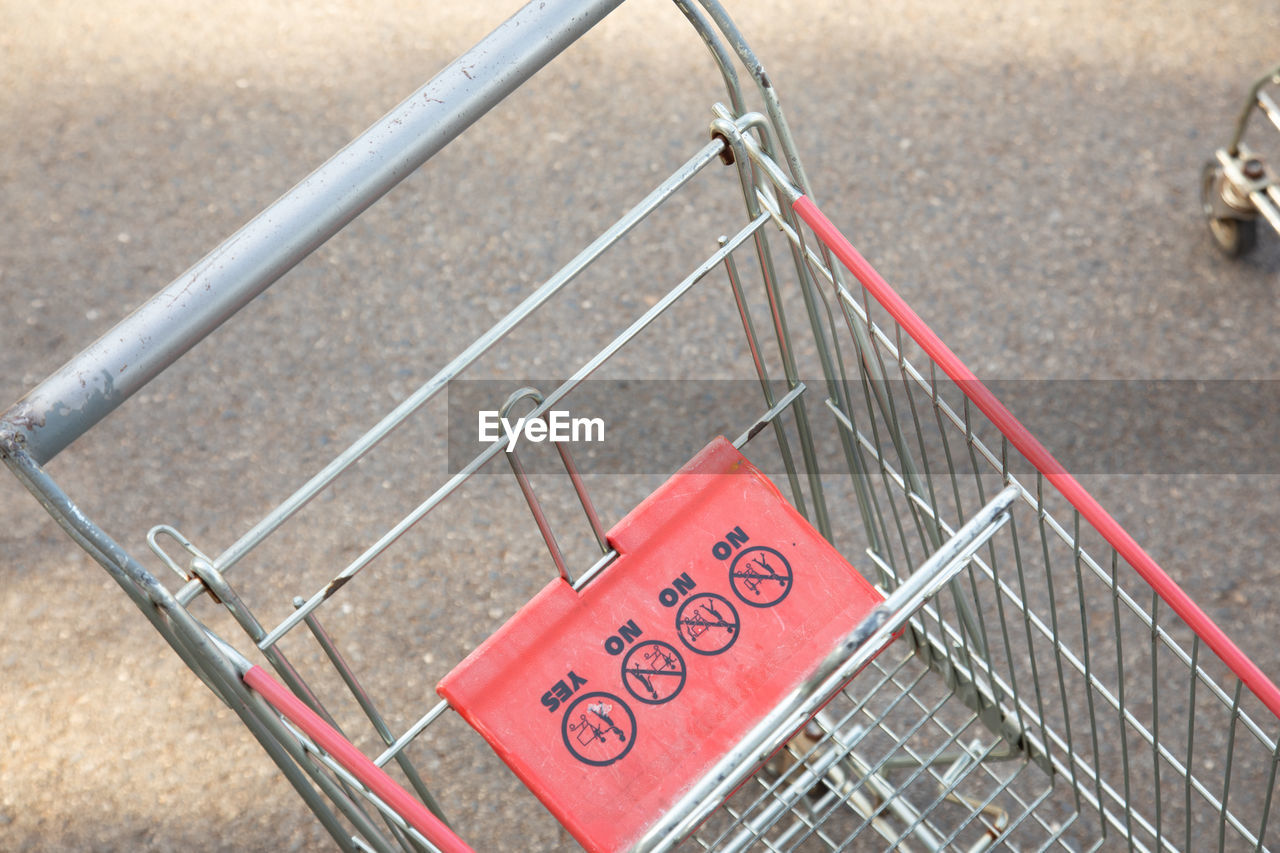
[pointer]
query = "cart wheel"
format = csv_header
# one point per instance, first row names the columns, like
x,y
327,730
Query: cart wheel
x,y
1235,237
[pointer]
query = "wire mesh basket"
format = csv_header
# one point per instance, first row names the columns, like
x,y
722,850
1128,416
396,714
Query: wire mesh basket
x,y
1025,677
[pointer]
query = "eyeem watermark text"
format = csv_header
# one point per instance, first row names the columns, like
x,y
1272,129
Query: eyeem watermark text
x,y
556,426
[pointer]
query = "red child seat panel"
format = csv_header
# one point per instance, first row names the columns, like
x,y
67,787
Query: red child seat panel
x,y
610,702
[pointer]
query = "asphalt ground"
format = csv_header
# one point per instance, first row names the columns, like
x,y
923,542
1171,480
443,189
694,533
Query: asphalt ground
x,y
1025,174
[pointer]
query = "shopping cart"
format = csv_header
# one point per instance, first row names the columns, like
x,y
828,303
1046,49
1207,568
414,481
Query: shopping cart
x,y
1022,675
1237,186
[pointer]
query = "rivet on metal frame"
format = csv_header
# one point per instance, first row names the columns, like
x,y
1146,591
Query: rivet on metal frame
x,y
526,487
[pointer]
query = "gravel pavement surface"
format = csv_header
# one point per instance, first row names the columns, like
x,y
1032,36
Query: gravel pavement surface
x,y
1025,174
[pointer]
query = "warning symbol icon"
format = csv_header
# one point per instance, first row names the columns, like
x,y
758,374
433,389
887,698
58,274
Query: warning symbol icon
x,y
598,729
760,576
653,672
707,623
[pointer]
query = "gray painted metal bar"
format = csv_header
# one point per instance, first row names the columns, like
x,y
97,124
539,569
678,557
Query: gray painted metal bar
x,y
105,374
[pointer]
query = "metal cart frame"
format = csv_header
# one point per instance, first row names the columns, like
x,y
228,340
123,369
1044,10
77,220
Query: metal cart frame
x,y
1051,682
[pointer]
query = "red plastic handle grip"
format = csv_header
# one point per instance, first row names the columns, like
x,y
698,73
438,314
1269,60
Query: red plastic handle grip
x,y
1021,438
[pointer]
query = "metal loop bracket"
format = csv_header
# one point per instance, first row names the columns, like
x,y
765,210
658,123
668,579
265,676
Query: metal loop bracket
x,y
526,487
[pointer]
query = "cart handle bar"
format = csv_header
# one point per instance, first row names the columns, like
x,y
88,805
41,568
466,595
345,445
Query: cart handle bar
x,y
1021,438
91,385
355,762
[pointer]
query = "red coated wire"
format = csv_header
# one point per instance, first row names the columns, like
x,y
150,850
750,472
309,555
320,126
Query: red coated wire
x,y
356,762
1021,438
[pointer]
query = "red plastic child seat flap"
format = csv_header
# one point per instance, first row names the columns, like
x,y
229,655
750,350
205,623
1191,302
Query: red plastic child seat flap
x,y
610,702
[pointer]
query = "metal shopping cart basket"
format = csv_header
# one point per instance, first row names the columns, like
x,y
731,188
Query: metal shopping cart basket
x,y
882,616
